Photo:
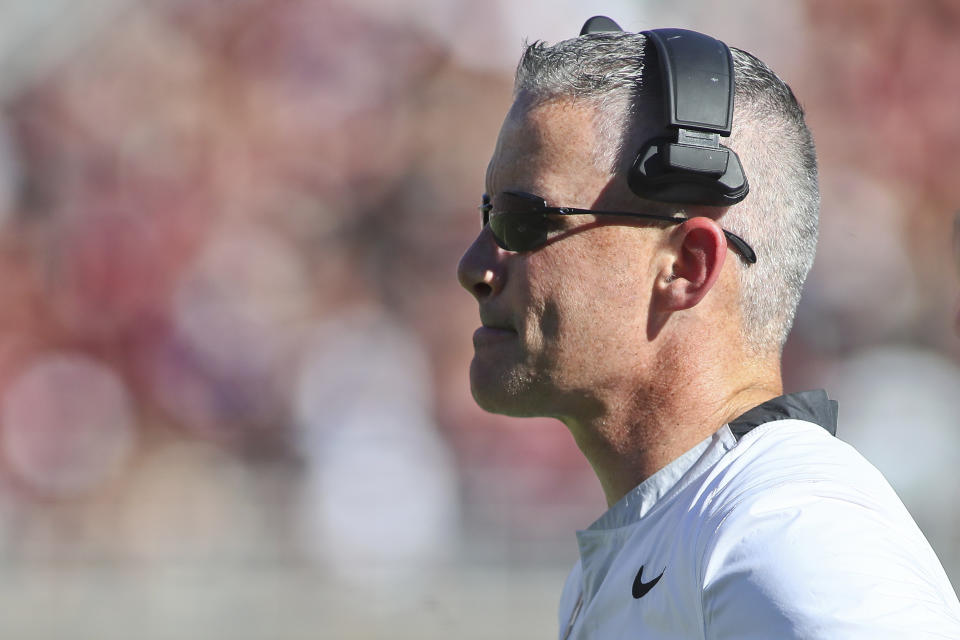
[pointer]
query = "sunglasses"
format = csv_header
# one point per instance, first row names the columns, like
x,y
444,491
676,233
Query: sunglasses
x,y
523,222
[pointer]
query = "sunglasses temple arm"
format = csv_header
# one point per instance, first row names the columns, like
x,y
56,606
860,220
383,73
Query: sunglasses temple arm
x,y
739,243
745,250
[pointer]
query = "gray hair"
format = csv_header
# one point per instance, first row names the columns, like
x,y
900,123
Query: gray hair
x,y
779,218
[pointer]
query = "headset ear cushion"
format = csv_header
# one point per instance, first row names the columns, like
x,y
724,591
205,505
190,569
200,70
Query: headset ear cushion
x,y
652,178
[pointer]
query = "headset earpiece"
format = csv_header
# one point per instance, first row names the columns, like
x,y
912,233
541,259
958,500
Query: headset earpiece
x,y
665,171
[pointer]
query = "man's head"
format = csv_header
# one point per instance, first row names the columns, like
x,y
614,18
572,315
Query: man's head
x,y
585,310
618,75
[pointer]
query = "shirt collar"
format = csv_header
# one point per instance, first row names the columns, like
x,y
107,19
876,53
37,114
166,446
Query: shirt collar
x,y
810,406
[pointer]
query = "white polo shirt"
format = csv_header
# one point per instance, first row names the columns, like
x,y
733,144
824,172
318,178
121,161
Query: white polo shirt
x,y
771,528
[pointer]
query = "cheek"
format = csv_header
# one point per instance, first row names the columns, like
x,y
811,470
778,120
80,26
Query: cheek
x,y
593,308
591,283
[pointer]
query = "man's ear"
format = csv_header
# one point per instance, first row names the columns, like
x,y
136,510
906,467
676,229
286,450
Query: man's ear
x,y
698,251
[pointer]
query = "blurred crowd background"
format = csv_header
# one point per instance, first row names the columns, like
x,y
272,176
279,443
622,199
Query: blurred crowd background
x,y
233,352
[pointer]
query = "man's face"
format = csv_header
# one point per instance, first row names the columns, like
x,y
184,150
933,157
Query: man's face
x,y
565,323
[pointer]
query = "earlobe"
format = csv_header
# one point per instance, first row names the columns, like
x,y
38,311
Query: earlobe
x,y
697,257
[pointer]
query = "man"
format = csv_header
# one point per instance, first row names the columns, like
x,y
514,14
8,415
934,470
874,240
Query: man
x,y
651,325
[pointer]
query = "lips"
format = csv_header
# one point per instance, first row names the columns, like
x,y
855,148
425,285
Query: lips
x,y
495,327
491,335
492,332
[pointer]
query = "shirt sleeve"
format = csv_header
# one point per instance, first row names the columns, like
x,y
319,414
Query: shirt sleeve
x,y
819,558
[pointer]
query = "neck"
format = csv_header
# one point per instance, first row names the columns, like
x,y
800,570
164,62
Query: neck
x,y
632,435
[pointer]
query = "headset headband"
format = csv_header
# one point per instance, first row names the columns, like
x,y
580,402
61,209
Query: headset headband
x,y
698,88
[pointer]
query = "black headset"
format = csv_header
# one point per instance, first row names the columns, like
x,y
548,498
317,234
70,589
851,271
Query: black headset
x,y
698,88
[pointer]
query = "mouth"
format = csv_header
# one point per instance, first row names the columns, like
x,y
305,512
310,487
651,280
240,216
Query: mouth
x,y
491,334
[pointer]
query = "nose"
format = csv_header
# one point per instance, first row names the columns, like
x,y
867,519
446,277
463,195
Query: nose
x,y
481,270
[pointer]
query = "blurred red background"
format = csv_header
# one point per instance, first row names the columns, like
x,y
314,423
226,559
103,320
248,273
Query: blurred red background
x,y
233,353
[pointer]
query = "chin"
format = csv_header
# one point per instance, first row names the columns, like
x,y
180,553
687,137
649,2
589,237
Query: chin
x,y
506,392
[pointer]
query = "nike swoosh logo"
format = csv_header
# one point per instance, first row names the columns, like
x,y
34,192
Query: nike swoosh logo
x,y
641,588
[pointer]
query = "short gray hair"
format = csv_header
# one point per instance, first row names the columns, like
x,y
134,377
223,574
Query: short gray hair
x,y
779,218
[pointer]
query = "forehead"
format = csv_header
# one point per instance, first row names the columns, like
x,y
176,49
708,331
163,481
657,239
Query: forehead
x,y
549,149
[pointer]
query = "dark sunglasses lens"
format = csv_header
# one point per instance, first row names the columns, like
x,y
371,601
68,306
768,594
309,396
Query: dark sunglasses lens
x,y
484,207
519,231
